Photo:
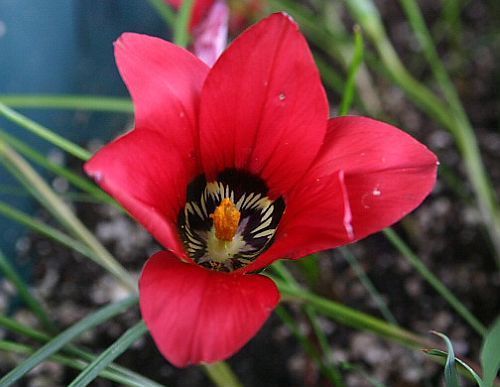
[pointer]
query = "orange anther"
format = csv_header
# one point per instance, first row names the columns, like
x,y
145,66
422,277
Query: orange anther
x,y
226,218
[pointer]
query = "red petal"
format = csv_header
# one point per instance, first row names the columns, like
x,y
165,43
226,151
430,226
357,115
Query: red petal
x,y
387,172
165,83
317,217
148,170
263,108
200,316
367,176
148,176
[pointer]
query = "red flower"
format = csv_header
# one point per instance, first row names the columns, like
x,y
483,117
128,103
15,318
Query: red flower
x,y
234,167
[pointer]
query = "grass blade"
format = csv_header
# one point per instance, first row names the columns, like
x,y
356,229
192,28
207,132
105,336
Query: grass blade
x,y
417,264
308,346
116,349
67,336
24,293
324,362
461,363
56,206
78,181
11,347
74,351
367,283
450,116
351,317
47,231
164,11
182,23
350,85
221,375
73,102
490,354
450,371
44,133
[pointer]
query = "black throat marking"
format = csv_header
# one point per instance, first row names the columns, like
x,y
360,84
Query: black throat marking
x,y
259,220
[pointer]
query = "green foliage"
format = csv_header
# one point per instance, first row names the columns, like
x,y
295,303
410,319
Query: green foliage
x,y
65,337
450,371
490,354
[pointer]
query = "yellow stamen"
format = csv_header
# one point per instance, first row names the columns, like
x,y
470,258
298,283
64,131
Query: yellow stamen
x,y
226,218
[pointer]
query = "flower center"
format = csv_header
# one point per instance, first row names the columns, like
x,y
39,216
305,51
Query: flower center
x,y
226,218
227,223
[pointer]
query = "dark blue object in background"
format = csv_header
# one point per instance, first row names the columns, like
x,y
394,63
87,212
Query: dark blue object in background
x,y
63,47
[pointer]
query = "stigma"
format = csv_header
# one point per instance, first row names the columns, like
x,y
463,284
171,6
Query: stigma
x,y
226,218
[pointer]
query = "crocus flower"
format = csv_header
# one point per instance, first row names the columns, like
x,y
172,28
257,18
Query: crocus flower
x,y
235,166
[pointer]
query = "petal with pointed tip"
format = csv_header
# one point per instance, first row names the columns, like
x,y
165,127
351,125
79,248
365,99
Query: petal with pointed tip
x,y
368,175
263,107
148,176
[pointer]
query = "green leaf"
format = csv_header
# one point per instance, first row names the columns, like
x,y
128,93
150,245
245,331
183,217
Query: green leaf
x,y
105,358
450,371
181,27
61,101
33,182
222,375
464,365
164,11
368,284
120,372
65,337
38,158
323,360
350,85
351,317
24,293
44,133
123,379
490,354
438,286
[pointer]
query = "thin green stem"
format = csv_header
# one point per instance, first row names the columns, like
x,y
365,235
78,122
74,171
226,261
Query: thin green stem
x,y
44,133
65,337
68,101
75,197
350,85
46,230
182,23
333,373
222,375
336,43
368,284
454,302
11,347
74,351
100,363
465,136
307,345
325,362
164,11
353,318
38,158
451,117
24,293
